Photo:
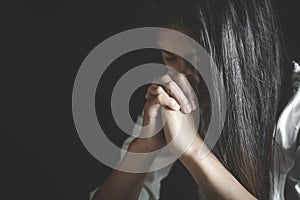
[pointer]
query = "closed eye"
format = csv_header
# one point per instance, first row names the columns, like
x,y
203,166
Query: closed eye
x,y
170,57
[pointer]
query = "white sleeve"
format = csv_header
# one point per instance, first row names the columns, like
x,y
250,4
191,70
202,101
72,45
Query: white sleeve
x,y
287,140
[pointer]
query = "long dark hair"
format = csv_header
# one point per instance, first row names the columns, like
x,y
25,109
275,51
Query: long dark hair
x,y
243,38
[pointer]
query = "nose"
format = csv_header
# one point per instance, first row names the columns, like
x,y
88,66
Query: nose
x,y
185,67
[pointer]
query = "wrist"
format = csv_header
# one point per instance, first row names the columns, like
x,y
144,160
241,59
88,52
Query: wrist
x,y
136,162
141,145
136,146
196,151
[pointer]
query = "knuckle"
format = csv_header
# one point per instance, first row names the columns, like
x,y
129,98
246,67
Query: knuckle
x,y
149,89
160,98
184,101
171,84
180,77
165,77
173,89
159,89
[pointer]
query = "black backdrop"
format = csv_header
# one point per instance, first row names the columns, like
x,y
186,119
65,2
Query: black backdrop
x,y
43,44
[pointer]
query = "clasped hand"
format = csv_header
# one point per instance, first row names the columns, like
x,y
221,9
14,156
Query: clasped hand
x,y
172,102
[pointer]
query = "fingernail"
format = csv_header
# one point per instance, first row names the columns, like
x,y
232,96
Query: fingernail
x,y
188,108
194,105
175,104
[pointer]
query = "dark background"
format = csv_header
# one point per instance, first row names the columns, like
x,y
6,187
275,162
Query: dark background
x,y
43,44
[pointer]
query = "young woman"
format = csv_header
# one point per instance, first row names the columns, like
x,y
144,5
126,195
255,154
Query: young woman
x,y
243,38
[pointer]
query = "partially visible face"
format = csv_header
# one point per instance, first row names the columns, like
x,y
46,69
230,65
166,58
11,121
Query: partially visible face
x,y
179,64
172,60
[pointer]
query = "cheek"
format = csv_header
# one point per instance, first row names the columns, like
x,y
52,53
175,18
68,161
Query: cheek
x,y
174,64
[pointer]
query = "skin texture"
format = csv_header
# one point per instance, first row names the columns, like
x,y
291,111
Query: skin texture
x,y
173,101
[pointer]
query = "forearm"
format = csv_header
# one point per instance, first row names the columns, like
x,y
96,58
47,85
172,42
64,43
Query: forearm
x,y
213,178
123,185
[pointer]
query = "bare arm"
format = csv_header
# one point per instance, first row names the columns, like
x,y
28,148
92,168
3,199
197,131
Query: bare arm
x,y
213,178
209,173
122,185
